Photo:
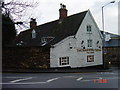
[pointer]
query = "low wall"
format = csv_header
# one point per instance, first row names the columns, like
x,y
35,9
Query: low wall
x,y
35,57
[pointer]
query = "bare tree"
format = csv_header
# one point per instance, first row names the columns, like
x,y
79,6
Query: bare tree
x,y
17,10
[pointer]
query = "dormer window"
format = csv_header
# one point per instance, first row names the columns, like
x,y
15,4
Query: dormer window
x,y
89,28
33,34
45,40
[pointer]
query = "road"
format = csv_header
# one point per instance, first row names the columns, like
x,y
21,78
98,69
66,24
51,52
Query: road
x,y
61,80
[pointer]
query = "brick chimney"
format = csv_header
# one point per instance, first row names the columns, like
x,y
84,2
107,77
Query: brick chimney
x,y
62,11
33,23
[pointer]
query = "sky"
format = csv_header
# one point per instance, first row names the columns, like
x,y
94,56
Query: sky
x,y
48,10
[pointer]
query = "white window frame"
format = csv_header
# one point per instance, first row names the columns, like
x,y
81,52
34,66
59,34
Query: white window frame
x,y
90,58
89,42
89,28
44,40
33,34
63,61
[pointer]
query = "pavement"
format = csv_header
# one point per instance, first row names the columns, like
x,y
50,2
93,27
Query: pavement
x,y
60,70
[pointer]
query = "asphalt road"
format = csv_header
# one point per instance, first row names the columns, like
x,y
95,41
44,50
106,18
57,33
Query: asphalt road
x,y
61,80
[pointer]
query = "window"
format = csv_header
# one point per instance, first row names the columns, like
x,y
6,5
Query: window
x,y
89,28
33,34
90,58
45,40
64,60
89,43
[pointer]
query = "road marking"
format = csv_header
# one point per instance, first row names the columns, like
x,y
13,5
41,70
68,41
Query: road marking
x,y
69,76
14,81
14,77
18,80
25,83
79,79
96,78
50,80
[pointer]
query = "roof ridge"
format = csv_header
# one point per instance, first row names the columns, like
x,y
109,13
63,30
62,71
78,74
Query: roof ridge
x,y
65,18
56,20
78,13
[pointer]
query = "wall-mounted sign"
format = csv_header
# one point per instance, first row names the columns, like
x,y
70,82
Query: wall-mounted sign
x,y
79,50
89,52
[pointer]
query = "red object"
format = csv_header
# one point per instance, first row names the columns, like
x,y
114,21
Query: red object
x,y
104,80
100,81
95,81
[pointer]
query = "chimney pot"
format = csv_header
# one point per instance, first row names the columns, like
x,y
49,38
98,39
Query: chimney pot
x,y
62,11
33,23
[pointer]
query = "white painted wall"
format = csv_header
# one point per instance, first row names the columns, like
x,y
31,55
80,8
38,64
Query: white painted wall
x,y
78,58
82,34
62,49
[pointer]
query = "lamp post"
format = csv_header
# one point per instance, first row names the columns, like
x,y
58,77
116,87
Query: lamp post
x,y
103,29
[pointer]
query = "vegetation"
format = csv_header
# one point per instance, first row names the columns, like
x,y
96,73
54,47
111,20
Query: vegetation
x,y
8,30
12,12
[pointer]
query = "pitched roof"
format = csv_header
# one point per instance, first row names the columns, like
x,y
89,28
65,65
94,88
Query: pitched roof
x,y
68,27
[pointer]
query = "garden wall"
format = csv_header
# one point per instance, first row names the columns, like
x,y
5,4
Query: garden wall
x,y
20,57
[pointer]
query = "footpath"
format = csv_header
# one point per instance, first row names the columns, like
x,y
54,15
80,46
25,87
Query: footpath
x,y
60,70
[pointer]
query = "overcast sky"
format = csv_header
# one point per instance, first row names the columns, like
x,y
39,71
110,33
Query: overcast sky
x,y
48,10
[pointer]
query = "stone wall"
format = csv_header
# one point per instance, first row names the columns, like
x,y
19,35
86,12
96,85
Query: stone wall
x,y
35,57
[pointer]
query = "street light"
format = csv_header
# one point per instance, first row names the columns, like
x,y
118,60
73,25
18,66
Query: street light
x,y
103,14
103,27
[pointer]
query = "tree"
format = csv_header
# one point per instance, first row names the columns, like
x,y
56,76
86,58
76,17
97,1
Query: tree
x,y
16,10
12,12
8,30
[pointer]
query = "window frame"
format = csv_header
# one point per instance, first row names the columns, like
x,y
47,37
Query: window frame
x,y
90,58
33,34
45,40
89,28
64,61
89,43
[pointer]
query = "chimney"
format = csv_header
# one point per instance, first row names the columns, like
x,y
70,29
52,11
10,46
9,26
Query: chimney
x,y
33,23
62,11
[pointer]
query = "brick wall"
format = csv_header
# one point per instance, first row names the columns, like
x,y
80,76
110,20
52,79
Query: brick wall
x,y
34,57
113,55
